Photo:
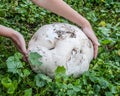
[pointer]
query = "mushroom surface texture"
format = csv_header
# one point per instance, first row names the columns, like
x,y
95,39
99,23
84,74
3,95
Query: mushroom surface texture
x,y
61,44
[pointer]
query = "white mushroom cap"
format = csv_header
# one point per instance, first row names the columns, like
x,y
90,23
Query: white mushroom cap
x,y
61,44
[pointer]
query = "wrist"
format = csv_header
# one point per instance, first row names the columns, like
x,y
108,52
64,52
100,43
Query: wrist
x,y
86,24
90,34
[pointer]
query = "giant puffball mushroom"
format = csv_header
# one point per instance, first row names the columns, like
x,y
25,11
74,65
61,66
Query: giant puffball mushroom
x,y
61,44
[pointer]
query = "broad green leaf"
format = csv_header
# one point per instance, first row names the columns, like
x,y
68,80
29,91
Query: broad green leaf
x,y
104,31
34,58
119,52
70,92
103,83
113,89
6,82
10,85
28,92
102,0
26,72
14,63
41,80
108,94
15,84
76,89
44,77
60,69
107,41
2,12
11,89
60,74
96,88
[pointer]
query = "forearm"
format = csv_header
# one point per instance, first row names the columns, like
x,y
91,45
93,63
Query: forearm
x,y
61,8
5,31
10,33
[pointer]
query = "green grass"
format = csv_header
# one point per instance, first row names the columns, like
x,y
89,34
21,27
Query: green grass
x,y
103,77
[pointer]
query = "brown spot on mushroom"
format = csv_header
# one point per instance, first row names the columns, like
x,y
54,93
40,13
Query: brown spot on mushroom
x,y
74,51
73,35
81,51
52,48
60,33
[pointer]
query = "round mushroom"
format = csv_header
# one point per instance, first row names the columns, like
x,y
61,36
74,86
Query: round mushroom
x,y
61,44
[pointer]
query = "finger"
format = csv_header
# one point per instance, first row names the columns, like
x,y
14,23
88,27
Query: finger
x,y
98,44
25,58
23,50
95,51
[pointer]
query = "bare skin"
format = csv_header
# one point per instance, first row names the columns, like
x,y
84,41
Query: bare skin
x,y
61,8
16,37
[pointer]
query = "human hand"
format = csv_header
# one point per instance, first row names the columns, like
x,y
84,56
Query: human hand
x,y
19,41
17,38
70,14
95,45
90,34
25,56
24,52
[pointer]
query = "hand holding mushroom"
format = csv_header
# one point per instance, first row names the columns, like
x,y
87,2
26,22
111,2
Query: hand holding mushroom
x,y
16,37
61,8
